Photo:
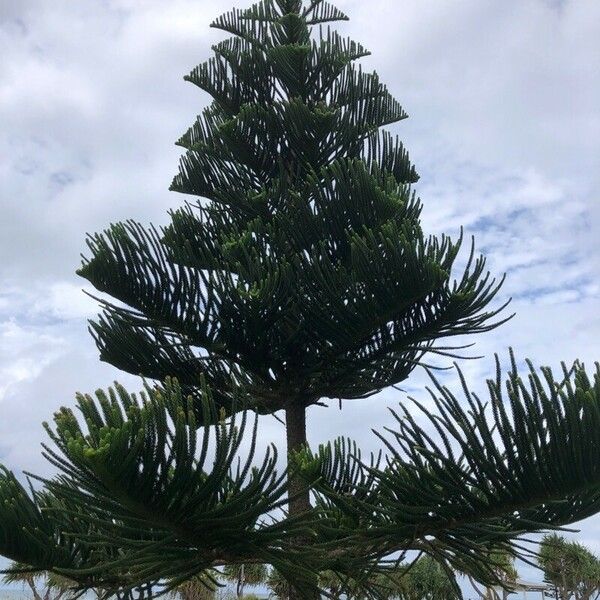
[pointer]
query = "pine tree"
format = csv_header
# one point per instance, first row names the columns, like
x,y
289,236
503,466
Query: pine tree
x,y
306,275
302,274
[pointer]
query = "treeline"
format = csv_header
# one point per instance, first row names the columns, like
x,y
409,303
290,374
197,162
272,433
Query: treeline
x,y
571,571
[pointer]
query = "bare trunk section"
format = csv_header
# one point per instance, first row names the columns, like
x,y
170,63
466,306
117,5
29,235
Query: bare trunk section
x,y
295,424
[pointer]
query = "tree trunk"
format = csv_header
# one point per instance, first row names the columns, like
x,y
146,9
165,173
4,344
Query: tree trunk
x,y
240,582
31,584
295,425
478,591
565,593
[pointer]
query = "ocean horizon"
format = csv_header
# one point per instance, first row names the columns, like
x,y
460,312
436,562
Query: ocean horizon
x,y
15,593
22,593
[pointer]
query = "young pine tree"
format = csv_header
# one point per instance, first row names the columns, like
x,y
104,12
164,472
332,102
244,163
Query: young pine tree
x,y
298,272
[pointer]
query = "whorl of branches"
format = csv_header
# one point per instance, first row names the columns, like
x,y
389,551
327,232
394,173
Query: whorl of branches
x,y
143,492
471,473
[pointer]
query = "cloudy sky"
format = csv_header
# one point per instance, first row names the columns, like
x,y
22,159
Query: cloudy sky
x,y
504,100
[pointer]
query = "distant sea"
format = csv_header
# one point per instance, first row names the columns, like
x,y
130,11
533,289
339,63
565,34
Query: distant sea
x,y
23,593
19,593
14,594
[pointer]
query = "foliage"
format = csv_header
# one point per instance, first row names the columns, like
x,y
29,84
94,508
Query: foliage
x,y
452,496
306,274
570,567
47,585
245,574
424,579
503,565
427,580
199,587
160,506
43,585
280,587
331,581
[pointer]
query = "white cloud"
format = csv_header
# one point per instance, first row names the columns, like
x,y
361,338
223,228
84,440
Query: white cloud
x,y
24,354
64,301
